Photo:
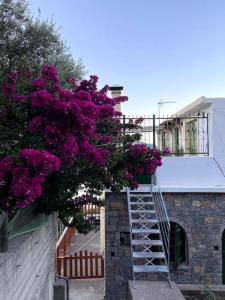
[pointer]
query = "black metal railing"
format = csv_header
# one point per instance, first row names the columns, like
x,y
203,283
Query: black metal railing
x,y
183,135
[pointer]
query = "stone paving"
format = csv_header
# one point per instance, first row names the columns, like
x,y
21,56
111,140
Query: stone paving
x,y
87,289
90,242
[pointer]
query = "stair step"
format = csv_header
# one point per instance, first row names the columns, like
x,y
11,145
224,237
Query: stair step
x,y
142,221
140,195
148,255
145,230
143,211
147,242
141,203
150,269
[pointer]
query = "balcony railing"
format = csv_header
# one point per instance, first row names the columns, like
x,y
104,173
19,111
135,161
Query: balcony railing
x,y
186,135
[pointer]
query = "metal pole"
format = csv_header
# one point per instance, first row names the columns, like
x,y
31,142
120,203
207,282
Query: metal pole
x,y
153,129
124,121
67,289
208,134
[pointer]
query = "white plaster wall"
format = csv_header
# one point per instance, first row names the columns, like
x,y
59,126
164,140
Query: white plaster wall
x,y
27,269
190,173
217,137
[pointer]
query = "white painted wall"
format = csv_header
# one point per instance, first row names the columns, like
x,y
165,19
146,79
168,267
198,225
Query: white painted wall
x,y
217,138
27,269
190,174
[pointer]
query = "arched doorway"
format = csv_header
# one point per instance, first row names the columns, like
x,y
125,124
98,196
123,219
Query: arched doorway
x,y
178,245
223,257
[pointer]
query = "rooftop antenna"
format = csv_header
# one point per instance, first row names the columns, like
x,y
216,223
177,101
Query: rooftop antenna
x,y
161,102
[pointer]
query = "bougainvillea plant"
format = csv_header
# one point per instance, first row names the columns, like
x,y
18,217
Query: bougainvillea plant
x,y
56,142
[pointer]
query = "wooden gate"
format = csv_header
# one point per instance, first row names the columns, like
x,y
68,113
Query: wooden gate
x,y
81,265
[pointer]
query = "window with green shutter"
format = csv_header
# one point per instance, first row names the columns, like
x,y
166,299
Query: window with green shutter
x,y
191,132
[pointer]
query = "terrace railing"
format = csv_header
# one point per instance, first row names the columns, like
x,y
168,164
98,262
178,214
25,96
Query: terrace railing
x,y
183,135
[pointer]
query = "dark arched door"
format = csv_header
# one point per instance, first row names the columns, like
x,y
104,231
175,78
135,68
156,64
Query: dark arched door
x,y
223,257
178,245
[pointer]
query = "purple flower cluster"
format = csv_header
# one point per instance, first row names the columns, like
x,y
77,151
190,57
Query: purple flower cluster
x,y
142,161
38,84
8,86
137,150
139,120
41,98
26,178
20,98
166,152
69,150
5,167
49,73
68,124
67,120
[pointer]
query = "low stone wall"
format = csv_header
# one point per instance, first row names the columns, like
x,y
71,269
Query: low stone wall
x,y
27,269
202,216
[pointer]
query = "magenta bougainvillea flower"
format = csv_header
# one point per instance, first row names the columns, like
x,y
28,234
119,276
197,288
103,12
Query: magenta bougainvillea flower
x,y
27,175
63,129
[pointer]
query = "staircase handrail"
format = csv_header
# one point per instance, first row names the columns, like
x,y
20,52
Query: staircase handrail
x,y
162,216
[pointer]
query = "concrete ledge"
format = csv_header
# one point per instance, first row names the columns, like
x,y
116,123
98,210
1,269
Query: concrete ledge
x,y
200,287
146,188
199,291
159,290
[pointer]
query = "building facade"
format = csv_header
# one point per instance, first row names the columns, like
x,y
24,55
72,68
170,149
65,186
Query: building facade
x,y
192,183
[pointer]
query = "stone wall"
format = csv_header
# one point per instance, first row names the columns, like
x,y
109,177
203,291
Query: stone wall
x,y
118,265
27,269
202,216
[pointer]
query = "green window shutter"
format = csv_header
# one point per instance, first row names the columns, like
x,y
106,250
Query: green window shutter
x,y
26,220
193,136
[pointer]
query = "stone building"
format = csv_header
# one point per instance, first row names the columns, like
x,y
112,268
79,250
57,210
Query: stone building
x,y
194,195
193,188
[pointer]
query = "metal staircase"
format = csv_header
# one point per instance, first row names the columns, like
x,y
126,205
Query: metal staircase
x,y
150,231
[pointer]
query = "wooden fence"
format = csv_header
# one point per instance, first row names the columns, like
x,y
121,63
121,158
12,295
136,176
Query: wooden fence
x,y
64,241
81,265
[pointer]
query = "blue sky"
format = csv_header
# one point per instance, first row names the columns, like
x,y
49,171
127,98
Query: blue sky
x,y
170,49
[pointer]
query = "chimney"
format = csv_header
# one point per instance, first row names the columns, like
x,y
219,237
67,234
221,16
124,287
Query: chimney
x,y
116,92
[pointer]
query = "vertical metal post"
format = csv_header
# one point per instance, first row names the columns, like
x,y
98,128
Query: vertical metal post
x,y
67,289
4,234
124,121
208,134
153,129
